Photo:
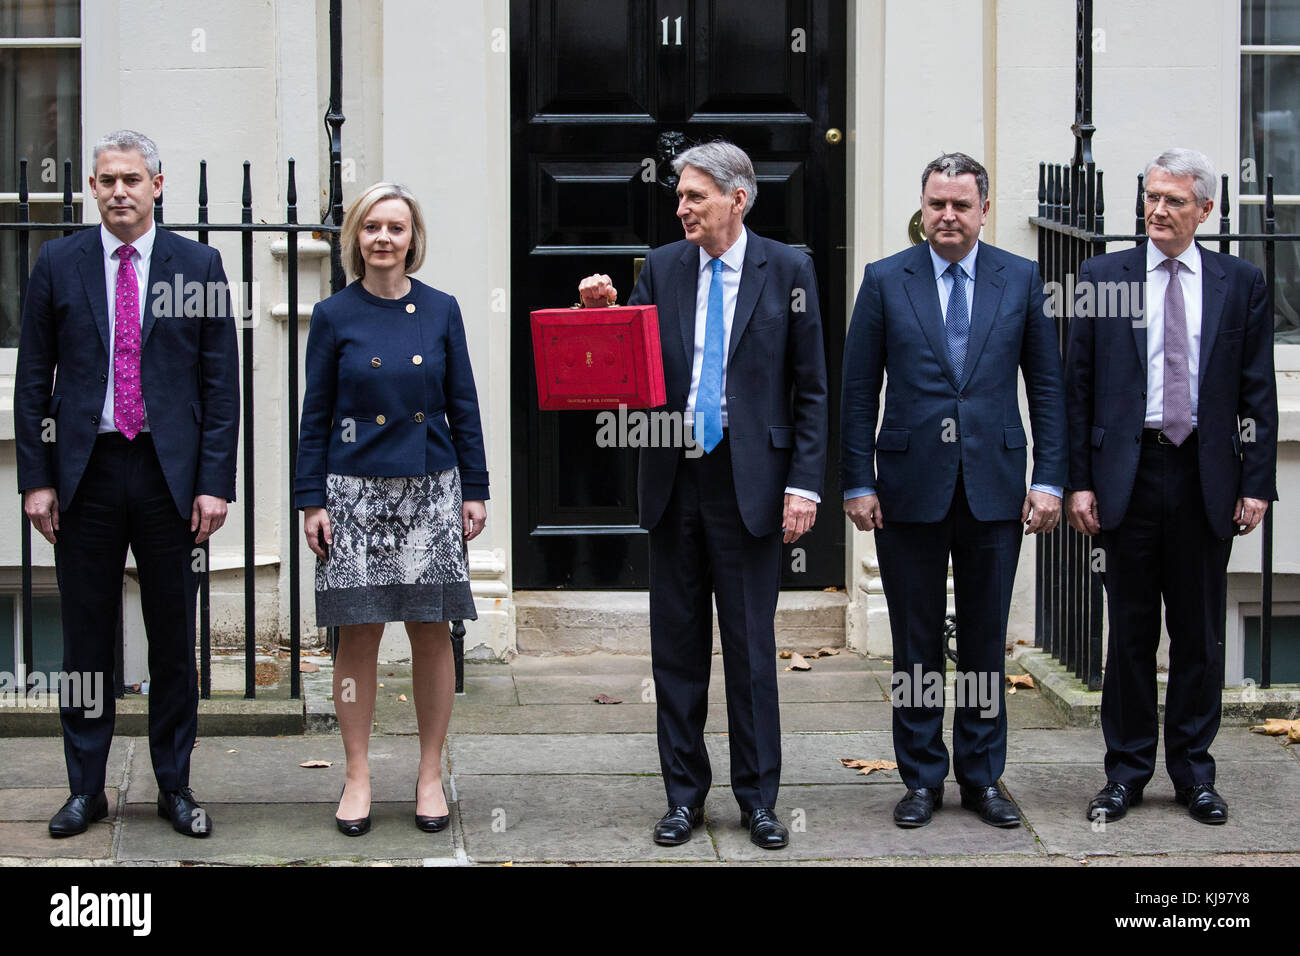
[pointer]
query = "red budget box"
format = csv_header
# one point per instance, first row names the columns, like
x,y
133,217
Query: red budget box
x,y
598,358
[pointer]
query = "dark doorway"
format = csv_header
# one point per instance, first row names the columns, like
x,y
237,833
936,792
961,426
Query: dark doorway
x,y
603,94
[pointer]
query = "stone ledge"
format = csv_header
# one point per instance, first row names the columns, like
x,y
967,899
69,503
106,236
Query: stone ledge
x,y
1082,708
217,718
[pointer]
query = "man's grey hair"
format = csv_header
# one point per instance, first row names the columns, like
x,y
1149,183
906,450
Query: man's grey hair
x,y
1187,162
726,164
953,165
125,141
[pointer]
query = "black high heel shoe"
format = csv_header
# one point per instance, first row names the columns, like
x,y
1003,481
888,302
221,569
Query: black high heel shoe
x,y
431,824
352,827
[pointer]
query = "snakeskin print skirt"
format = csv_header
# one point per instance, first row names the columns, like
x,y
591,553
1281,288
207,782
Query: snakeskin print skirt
x,y
398,552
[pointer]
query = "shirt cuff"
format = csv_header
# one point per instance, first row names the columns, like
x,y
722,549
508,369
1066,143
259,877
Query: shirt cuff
x,y
802,493
1056,490
859,492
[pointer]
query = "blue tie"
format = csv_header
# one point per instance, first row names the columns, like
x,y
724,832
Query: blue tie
x,y
957,320
708,400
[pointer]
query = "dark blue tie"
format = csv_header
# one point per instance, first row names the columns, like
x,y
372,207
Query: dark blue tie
x,y
708,400
957,320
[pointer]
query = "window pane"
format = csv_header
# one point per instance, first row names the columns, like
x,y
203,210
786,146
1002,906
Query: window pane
x,y
40,18
1284,663
1270,122
7,602
47,634
1286,297
10,314
1270,22
40,100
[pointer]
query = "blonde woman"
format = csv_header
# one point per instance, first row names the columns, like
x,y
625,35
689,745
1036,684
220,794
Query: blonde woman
x,y
392,480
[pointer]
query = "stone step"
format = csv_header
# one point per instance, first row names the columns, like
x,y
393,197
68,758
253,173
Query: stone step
x,y
618,622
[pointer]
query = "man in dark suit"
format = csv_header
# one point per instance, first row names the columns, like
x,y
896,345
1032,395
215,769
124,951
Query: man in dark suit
x,y
950,322
744,364
126,421
1173,450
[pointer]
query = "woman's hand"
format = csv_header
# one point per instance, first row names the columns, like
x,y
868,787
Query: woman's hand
x,y
316,523
473,516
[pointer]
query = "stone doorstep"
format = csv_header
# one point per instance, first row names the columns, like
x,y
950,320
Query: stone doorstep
x,y
1082,708
618,622
217,718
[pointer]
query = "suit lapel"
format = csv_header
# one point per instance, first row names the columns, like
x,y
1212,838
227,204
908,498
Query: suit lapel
x,y
1214,293
689,276
92,277
923,293
753,275
1135,274
989,286
160,271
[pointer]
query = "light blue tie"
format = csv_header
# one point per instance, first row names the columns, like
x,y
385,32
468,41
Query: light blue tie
x,y
957,320
708,400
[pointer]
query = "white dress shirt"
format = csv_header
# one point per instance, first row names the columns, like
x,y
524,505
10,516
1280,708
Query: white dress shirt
x,y
1190,278
732,262
140,262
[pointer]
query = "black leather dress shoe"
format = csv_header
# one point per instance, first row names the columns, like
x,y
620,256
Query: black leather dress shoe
x,y
993,808
1112,802
78,813
674,827
765,830
1203,803
918,806
187,817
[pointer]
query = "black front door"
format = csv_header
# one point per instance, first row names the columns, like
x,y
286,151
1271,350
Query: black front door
x,y
603,94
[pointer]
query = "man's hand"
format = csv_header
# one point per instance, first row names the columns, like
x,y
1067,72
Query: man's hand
x,y
316,524
41,505
798,517
1081,512
473,516
1248,513
1040,513
864,512
597,290
206,516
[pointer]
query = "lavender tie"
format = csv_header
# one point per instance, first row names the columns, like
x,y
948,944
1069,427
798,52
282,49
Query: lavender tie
x,y
128,404
1177,424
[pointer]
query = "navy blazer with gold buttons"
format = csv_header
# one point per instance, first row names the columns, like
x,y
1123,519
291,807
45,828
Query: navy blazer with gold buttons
x,y
390,393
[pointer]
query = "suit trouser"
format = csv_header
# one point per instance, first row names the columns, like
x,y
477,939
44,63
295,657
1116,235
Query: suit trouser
x,y
1164,547
914,571
122,501
701,548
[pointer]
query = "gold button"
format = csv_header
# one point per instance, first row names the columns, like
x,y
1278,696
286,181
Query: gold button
x,y
375,362
417,359
419,416
410,307
380,419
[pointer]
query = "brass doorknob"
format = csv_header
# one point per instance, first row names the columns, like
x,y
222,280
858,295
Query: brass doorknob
x,y
833,136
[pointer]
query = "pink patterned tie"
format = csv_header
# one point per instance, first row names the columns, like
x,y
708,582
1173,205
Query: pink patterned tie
x,y
1177,423
128,404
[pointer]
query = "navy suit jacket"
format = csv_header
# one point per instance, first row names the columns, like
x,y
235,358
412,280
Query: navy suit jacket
x,y
389,393
189,367
1106,371
776,376
897,328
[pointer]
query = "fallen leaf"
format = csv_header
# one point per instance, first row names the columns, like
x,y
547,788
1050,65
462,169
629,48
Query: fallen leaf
x,y
1019,680
1026,643
381,683
402,698
830,590
311,764
232,751
784,655
1277,727
797,663
606,699
867,767
266,673
308,667
828,652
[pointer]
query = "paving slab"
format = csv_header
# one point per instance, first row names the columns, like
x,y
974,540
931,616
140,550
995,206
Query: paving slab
x,y
266,770
38,761
568,818
38,804
834,822
1087,747
253,834
565,754
1263,811
556,718
32,839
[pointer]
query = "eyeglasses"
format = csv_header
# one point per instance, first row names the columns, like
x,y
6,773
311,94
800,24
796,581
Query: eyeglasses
x,y
1171,202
